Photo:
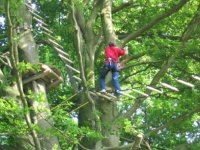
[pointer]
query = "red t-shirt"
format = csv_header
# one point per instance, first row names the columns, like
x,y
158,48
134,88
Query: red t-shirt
x,y
113,52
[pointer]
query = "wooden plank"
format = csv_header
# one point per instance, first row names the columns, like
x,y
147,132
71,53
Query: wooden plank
x,y
185,83
55,43
70,67
55,83
53,75
77,78
125,94
110,95
46,29
66,59
40,21
60,51
101,95
30,8
169,86
49,35
196,77
139,92
36,15
35,77
154,89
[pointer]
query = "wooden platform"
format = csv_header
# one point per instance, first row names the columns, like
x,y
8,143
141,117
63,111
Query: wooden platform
x,y
49,74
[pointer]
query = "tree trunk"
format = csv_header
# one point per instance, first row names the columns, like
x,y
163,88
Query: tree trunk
x,y
30,53
109,109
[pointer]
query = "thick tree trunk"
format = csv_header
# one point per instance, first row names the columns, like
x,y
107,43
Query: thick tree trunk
x,y
86,48
110,131
109,109
30,53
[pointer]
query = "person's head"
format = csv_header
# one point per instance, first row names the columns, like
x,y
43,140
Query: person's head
x,y
111,44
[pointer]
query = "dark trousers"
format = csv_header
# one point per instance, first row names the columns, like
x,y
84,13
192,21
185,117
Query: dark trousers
x,y
113,67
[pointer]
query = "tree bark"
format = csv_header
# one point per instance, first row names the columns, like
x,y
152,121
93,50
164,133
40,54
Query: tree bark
x,y
30,52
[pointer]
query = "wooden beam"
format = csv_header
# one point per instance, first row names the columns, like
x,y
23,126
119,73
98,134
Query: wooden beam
x,y
46,29
30,8
110,95
66,59
40,21
55,43
125,94
55,83
70,67
36,76
60,51
46,67
185,83
77,78
142,93
154,89
196,77
49,35
169,86
99,94
36,15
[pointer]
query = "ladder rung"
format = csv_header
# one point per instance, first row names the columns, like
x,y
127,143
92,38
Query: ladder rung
x,y
110,95
196,77
46,29
70,67
49,35
40,21
29,7
154,89
77,78
169,86
99,94
123,93
55,43
185,83
103,95
36,15
61,51
142,93
66,59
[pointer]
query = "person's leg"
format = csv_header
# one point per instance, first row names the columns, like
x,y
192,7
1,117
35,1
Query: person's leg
x,y
115,77
103,74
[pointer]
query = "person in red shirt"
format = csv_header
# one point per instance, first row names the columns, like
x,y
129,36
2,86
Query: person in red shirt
x,y
112,54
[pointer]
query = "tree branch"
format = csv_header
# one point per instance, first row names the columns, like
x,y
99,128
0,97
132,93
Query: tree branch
x,y
155,21
137,142
106,17
191,26
95,11
124,147
142,70
179,119
78,35
140,63
128,4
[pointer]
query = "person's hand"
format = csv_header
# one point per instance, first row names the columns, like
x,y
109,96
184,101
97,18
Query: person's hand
x,y
126,50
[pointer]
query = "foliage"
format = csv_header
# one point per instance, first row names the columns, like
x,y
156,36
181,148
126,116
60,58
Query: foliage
x,y
12,122
150,51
